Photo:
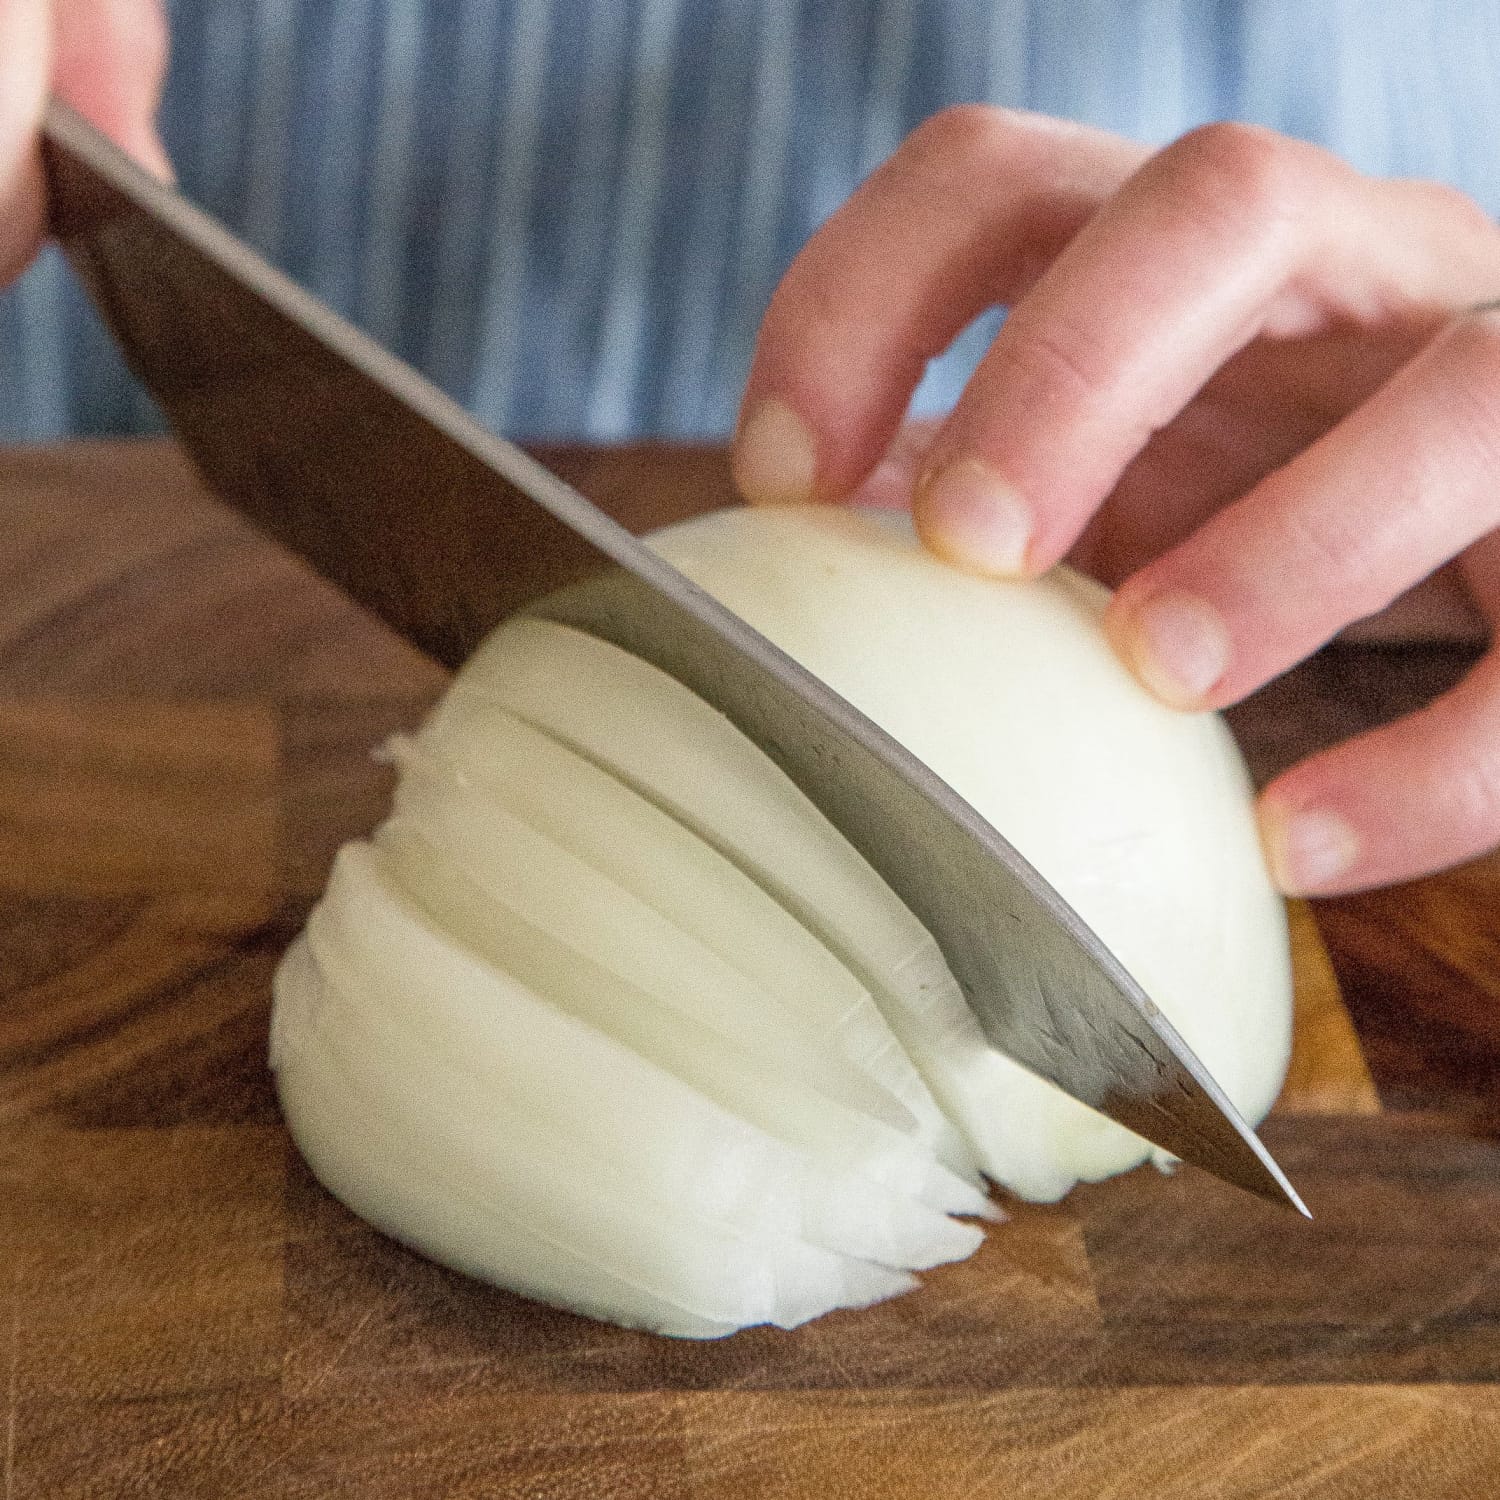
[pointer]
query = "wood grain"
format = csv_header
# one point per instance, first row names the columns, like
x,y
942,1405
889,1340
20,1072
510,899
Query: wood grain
x,y
186,718
1166,1442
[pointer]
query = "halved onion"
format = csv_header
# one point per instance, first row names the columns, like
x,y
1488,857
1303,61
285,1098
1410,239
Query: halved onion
x,y
610,1014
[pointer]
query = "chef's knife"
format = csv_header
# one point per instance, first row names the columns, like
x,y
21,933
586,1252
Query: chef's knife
x,y
387,487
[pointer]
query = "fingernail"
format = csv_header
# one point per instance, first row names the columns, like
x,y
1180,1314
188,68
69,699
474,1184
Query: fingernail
x,y
775,461
969,515
1179,648
1309,850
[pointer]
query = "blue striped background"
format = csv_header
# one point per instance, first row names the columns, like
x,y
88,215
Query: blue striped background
x,y
570,213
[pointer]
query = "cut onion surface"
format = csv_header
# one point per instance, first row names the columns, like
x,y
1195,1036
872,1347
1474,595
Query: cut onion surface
x,y
608,1013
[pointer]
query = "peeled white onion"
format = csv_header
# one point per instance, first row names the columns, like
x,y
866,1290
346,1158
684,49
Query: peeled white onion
x,y
1140,816
609,1014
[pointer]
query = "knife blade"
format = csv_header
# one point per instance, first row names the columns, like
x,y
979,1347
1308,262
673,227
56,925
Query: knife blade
x,y
348,457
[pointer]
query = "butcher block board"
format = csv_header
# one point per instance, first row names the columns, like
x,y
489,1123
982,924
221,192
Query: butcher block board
x,y
185,725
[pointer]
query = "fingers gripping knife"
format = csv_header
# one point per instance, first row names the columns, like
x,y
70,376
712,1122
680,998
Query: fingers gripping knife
x,y
352,460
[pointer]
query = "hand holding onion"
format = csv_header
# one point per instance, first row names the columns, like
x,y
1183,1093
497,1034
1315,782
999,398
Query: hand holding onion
x,y
1237,380
606,1012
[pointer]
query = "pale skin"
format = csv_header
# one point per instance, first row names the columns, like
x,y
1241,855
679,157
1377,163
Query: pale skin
x,y
1239,381
107,58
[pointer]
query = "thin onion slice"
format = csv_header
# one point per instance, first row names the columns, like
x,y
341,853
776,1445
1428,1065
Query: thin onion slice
x,y
612,828
576,1126
751,1086
651,733
516,872
358,1153
556,1244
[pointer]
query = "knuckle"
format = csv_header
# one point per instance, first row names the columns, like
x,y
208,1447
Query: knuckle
x,y
1242,171
1053,364
1480,794
961,137
1230,152
817,318
1336,547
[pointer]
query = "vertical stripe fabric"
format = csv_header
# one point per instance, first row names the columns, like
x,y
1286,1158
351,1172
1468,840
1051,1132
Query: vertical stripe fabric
x,y
571,213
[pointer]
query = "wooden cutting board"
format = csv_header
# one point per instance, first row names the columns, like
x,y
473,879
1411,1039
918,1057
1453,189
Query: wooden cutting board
x,y
185,720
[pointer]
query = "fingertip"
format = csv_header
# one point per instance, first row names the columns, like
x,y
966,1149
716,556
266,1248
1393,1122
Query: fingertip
x,y
1310,851
139,139
1395,803
970,517
775,458
1176,644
